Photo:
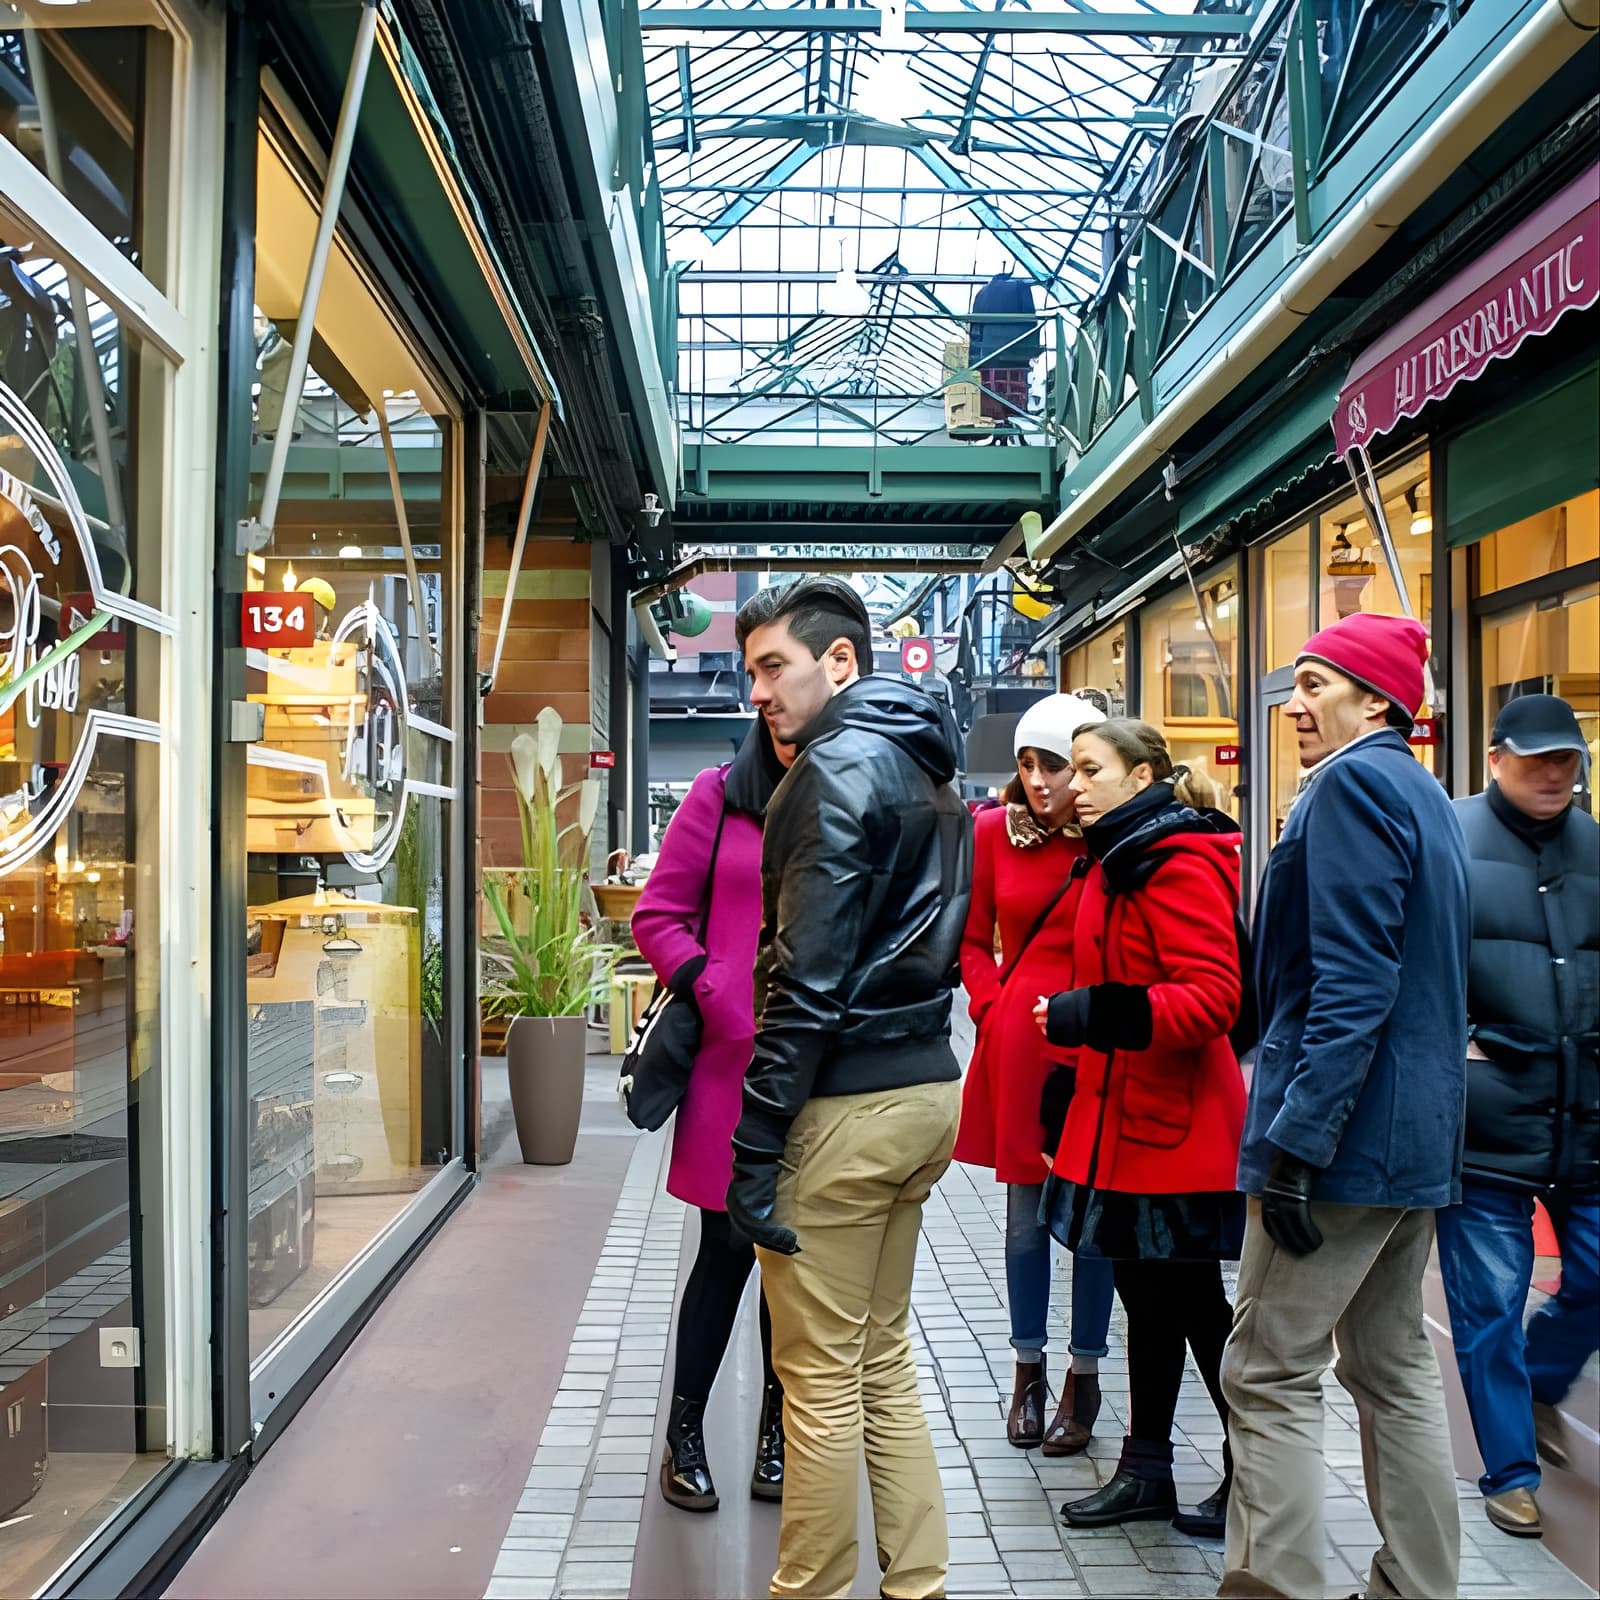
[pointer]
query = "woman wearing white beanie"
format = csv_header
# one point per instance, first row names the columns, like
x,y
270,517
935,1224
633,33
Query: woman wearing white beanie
x,y
1029,865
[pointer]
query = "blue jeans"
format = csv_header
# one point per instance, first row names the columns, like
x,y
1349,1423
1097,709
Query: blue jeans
x,y
1486,1260
1028,1281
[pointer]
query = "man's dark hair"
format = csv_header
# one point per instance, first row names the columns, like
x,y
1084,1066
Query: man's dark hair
x,y
817,610
1398,718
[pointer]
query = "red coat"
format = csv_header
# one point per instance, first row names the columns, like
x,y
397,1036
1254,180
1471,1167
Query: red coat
x,y
1168,1119
1000,1101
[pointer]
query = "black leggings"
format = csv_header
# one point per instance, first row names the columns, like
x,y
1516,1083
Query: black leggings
x,y
710,1304
1171,1304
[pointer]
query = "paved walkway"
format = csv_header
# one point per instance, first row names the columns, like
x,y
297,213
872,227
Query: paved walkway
x,y
591,1523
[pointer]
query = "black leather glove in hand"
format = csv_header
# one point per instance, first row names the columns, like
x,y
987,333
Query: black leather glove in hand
x,y
1286,1206
1068,1017
751,1196
1054,1099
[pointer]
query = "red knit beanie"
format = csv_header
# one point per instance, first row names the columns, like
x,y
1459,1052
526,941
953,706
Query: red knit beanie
x,y
1384,654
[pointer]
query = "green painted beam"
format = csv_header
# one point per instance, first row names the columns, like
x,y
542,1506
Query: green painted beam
x,y
351,472
869,19
834,474
771,181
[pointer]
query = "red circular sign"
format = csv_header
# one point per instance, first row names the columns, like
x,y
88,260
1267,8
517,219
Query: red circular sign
x,y
916,655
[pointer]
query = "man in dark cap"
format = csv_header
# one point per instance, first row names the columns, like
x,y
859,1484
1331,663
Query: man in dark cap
x,y
853,1091
1533,1101
1352,1138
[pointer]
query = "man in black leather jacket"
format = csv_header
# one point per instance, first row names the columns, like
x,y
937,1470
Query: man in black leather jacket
x,y
852,1097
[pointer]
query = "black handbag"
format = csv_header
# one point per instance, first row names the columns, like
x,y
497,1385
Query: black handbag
x,y
654,1076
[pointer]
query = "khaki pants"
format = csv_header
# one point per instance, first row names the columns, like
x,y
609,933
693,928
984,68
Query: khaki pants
x,y
855,1175
1363,1291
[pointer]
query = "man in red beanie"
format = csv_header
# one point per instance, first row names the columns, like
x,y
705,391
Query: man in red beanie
x,y
1353,1135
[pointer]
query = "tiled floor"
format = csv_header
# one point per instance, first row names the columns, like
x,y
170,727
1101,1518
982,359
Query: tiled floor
x,y
592,1489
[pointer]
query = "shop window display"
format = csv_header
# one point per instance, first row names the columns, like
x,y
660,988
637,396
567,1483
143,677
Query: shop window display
x,y
349,791
1286,568
1550,644
82,441
1190,668
1101,665
1354,576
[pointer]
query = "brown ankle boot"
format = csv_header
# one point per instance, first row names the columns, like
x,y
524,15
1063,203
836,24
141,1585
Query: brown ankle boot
x,y
1075,1416
1029,1396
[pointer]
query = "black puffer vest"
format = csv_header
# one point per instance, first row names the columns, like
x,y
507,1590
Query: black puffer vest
x,y
1533,1001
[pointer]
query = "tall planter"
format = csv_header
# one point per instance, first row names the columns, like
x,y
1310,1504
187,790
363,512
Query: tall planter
x,y
545,1059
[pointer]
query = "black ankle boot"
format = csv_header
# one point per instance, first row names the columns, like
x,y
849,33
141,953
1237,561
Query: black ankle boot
x,y
1141,1491
1209,1519
685,1473
766,1482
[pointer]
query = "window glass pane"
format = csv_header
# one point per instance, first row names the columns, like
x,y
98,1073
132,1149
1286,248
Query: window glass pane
x,y
1101,666
1287,569
1564,536
1190,665
90,108
1355,576
80,943
351,1104
1551,647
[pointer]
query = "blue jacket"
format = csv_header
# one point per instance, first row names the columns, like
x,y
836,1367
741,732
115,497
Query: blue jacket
x,y
1361,939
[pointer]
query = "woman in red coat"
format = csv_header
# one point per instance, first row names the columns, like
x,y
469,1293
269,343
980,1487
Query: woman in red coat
x,y
1029,864
1144,1174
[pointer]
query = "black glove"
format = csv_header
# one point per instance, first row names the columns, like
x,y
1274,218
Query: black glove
x,y
1107,1016
1054,1099
752,1194
1286,1206
1067,1020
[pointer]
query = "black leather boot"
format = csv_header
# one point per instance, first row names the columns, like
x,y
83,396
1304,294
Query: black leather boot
x,y
1073,1427
1141,1491
685,1473
1209,1519
1029,1396
766,1482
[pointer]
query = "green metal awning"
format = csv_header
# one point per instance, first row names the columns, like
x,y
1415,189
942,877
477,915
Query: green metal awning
x,y
1288,445
406,168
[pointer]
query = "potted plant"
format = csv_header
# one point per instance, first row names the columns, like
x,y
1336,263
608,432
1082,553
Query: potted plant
x,y
545,966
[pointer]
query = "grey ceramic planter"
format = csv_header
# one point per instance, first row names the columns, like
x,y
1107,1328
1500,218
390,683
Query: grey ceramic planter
x,y
545,1058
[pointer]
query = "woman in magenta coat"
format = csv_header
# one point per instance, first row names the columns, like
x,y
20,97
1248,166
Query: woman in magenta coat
x,y
708,875
1029,865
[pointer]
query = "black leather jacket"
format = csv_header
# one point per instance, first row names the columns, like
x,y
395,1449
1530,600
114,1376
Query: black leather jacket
x,y
866,875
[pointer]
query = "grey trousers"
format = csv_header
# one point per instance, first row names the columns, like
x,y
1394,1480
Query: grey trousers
x,y
1362,1291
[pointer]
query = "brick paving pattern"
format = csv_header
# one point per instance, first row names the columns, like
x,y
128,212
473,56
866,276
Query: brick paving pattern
x,y
576,1531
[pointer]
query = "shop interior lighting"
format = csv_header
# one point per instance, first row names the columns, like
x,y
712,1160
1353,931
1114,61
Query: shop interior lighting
x,y
290,582
349,552
1421,520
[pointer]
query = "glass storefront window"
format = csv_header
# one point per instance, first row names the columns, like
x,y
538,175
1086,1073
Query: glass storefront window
x,y
1355,576
1101,664
81,1157
350,793
1549,645
1190,669
1564,536
74,101
1286,568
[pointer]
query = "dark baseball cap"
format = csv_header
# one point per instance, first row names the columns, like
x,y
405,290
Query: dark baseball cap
x,y
1537,725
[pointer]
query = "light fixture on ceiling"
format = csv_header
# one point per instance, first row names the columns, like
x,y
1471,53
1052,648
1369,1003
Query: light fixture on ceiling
x,y
290,583
1421,518
889,91
846,295
349,552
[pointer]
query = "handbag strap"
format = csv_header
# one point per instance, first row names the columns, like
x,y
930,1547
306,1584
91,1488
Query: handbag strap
x,y
711,868
1080,868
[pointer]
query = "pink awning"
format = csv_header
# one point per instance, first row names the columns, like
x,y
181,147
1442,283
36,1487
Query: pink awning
x,y
1548,265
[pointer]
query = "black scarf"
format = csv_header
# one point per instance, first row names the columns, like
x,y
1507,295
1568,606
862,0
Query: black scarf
x,y
1532,832
755,773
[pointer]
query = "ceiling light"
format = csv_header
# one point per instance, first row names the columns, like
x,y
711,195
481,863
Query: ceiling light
x,y
349,552
846,296
1421,521
889,91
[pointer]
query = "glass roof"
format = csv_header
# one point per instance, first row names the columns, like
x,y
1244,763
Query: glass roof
x,y
839,182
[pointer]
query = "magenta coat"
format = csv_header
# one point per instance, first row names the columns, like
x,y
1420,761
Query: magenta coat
x,y
666,927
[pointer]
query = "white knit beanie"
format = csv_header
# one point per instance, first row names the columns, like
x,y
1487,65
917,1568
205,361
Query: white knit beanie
x,y
1049,724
